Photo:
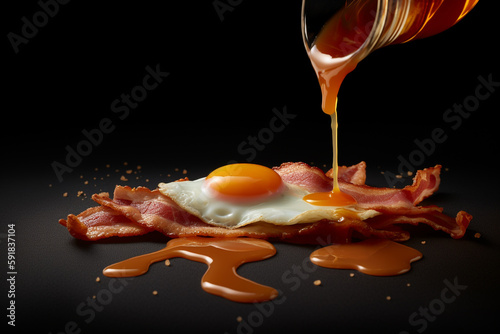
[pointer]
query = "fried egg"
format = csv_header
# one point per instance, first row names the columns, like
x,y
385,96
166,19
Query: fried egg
x,y
240,194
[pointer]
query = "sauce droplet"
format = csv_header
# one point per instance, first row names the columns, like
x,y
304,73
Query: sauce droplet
x,y
330,198
222,255
377,257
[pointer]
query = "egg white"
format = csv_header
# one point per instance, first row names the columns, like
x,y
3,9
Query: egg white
x,y
287,208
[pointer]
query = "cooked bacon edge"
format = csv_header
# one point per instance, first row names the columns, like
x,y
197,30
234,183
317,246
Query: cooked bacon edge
x,y
137,211
101,222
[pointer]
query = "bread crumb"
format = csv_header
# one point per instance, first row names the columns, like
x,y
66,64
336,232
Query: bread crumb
x,y
317,282
65,194
79,193
423,242
108,165
351,275
125,163
155,293
477,235
388,298
139,167
123,178
86,182
408,284
97,279
167,262
184,171
239,318
128,171
399,176
409,173
177,169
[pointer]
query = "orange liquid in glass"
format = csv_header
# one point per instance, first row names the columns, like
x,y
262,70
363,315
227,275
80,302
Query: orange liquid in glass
x,y
334,53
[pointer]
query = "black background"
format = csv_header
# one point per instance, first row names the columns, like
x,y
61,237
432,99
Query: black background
x,y
225,78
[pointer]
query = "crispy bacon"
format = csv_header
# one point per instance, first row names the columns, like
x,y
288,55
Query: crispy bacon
x,y
314,179
136,211
101,222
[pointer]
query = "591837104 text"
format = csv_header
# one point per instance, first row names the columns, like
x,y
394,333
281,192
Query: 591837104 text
x,y
11,274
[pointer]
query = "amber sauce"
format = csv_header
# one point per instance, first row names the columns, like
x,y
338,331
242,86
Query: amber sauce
x,y
377,257
342,44
222,255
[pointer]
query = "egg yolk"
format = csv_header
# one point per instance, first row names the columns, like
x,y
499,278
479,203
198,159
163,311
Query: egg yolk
x,y
243,183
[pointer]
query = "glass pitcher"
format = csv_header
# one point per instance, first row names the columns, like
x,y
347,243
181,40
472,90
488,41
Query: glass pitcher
x,y
338,34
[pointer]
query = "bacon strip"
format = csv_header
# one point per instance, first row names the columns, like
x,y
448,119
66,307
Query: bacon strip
x,y
136,211
391,200
151,210
101,222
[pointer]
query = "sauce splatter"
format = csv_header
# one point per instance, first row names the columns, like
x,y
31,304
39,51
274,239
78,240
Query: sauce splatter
x,y
222,255
377,257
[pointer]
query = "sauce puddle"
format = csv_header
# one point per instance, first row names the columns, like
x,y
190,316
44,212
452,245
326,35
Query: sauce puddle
x,y
376,257
223,256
